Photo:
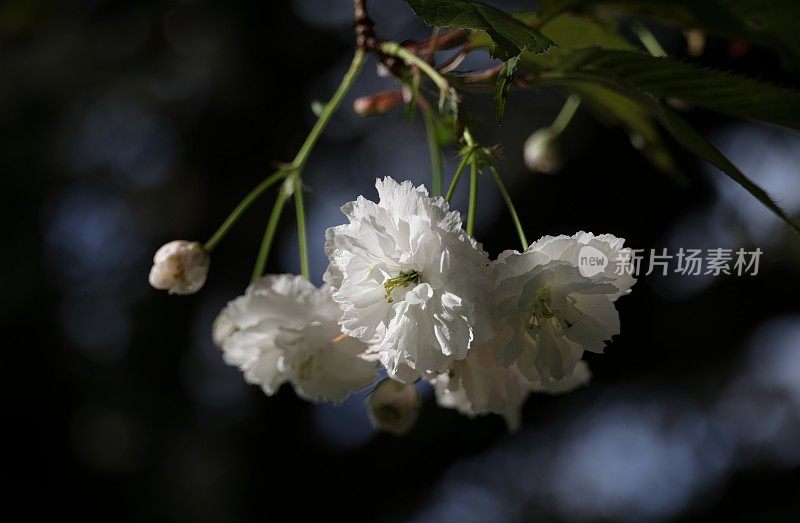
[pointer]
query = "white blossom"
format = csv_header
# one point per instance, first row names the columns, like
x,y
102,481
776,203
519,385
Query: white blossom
x,y
393,406
408,279
285,329
481,384
179,267
572,248
553,310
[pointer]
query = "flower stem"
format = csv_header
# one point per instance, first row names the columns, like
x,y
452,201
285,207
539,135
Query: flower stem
x,y
301,227
329,109
565,115
295,169
648,40
272,226
248,200
457,175
511,209
433,148
473,196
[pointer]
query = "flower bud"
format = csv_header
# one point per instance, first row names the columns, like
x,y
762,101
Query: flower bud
x,y
542,152
379,103
179,267
393,407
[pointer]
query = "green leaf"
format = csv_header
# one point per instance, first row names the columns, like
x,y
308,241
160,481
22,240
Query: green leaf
x,y
771,24
576,32
615,109
687,136
669,78
510,35
504,81
683,133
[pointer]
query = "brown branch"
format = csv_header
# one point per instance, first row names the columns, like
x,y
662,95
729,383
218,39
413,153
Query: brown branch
x,y
364,27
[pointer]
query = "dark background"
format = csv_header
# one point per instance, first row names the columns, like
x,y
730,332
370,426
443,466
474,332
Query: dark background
x,y
124,125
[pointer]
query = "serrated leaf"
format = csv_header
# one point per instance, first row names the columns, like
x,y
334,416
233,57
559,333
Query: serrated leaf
x,y
687,136
577,32
504,81
572,32
767,23
615,109
510,35
683,133
669,78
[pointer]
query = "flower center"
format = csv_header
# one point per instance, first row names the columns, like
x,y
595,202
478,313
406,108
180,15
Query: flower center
x,y
542,309
405,279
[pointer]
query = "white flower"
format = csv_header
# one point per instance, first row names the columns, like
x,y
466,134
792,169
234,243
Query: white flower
x,y
553,310
481,384
393,406
577,248
285,329
179,267
408,279
542,152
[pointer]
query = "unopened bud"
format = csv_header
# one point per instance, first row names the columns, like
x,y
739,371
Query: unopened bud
x,y
378,103
179,267
542,152
393,407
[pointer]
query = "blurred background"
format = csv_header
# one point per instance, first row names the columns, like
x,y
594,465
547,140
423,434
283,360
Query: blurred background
x,y
125,124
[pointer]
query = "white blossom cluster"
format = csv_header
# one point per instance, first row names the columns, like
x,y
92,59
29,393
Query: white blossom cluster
x,y
408,290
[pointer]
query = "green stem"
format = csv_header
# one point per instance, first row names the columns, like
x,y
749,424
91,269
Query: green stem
x,y
328,110
272,226
511,209
565,115
457,175
248,200
301,226
299,161
648,40
434,150
473,196
408,56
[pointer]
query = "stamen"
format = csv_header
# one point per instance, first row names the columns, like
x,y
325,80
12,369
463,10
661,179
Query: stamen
x,y
404,280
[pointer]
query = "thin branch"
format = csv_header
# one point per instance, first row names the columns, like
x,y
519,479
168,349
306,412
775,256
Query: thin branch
x,y
441,42
364,26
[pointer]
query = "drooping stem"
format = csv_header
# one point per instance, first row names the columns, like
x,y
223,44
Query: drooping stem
x,y
272,226
648,39
301,227
433,149
457,176
246,202
473,195
295,169
328,110
565,115
510,204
